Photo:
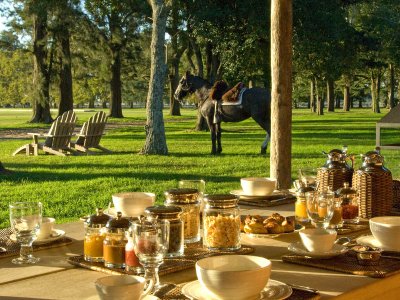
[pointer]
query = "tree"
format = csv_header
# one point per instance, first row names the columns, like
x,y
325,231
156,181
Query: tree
x,y
155,132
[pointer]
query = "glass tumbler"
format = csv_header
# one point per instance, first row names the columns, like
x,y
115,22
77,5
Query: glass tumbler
x,y
320,207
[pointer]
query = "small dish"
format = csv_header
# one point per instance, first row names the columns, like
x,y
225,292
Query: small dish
x,y
369,240
56,235
299,248
274,290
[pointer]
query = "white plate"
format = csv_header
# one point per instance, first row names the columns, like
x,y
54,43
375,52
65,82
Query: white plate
x,y
56,234
369,240
242,194
274,290
299,248
150,297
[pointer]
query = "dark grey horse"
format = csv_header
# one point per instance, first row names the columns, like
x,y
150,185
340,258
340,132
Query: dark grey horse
x,y
256,103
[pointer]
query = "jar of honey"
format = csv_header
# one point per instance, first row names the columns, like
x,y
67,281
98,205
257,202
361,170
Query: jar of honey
x,y
349,202
337,220
115,242
94,236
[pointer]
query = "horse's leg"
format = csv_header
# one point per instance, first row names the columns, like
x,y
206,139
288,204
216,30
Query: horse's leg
x,y
265,124
264,145
213,134
218,136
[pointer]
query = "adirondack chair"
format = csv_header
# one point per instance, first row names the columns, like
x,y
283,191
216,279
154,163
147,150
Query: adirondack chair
x,y
57,139
91,133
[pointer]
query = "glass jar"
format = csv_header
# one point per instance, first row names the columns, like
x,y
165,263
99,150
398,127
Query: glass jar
x,y
221,222
337,220
349,203
300,206
94,236
176,236
131,260
188,201
115,241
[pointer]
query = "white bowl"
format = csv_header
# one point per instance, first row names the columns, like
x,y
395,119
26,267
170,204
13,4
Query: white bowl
x,y
121,287
318,240
133,204
234,276
387,231
258,186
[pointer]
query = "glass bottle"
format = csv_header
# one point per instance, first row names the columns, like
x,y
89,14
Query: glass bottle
x,y
115,241
94,236
349,203
221,222
131,260
188,201
176,235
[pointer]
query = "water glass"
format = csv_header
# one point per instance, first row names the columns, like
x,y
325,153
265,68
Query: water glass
x,y
25,219
150,242
320,207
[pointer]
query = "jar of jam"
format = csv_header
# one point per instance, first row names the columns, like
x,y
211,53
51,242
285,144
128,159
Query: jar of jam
x,y
115,241
337,220
94,236
349,202
131,260
300,206
172,215
221,222
188,200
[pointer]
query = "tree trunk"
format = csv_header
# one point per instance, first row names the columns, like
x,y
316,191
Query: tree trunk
x,y
320,99
104,104
311,104
189,54
155,132
199,58
174,107
66,95
209,56
374,93
337,101
346,97
115,84
330,94
391,101
41,74
281,92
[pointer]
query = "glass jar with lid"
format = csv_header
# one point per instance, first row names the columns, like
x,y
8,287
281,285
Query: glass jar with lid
x,y
176,235
188,200
115,241
221,222
337,219
94,236
300,206
349,202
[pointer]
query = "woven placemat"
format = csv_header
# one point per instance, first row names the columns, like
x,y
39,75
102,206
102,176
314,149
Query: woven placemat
x,y
12,248
172,292
193,252
269,201
351,228
348,263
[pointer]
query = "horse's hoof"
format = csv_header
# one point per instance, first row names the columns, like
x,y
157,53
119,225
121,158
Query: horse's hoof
x,y
263,152
219,151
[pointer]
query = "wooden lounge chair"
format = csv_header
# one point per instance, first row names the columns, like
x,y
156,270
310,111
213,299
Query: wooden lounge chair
x,y
57,140
91,134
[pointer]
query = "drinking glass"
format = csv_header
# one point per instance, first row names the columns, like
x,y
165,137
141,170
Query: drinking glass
x,y
150,242
308,177
25,219
198,184
320,207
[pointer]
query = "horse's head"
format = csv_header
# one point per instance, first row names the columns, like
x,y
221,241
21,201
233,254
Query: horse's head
x,y
185,86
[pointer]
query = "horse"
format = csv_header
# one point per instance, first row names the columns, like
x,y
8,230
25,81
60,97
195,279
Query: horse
x,y
256,103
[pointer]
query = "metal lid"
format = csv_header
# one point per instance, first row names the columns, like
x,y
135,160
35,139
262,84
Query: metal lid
x,y
373,157
221,200
118,222
163,211
305,189
346,190
99,218
337,158
182,195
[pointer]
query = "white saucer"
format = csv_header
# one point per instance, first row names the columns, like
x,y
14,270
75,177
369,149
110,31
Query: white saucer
x,y
56,234
299,248
274,290
242,194
369,240
150,297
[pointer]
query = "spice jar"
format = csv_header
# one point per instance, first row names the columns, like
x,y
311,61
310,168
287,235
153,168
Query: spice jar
x,y
94,236
300,206
131,260
337,220
349,202
176,235
188,201
114,242
221,222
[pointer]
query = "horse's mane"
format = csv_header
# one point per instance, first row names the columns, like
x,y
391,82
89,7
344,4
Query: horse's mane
x,y
218,90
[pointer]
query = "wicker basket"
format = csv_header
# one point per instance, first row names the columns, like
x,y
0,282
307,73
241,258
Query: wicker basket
x,y
333,178
375,192
396,194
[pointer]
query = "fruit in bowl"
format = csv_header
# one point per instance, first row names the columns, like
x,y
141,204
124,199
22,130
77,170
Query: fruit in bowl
x,y
234,276
386,230
258,186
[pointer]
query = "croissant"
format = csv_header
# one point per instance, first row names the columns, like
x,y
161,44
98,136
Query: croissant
x,y
274,227
255,227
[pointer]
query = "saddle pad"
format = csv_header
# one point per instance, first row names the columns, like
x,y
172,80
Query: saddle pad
x,y
239,102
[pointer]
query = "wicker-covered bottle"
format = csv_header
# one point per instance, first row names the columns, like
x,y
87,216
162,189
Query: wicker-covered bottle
x,y
336,171
375,186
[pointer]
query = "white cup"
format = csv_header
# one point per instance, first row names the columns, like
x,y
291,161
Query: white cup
x,y
132,204
318,239
46,228
122,287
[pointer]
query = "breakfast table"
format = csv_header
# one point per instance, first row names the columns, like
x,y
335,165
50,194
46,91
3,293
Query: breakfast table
x,y
54,278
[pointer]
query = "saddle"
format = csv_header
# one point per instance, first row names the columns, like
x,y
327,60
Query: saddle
x,y
233,94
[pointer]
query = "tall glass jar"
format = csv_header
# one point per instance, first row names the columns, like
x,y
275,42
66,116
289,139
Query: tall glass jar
x,y
115,241
300,206
221,222
94,236
337,219
176,236
349,202
188,201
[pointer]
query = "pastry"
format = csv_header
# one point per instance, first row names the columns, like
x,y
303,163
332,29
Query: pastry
x,y
255,227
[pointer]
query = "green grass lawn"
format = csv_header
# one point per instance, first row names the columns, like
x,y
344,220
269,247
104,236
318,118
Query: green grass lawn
x,y
70,187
